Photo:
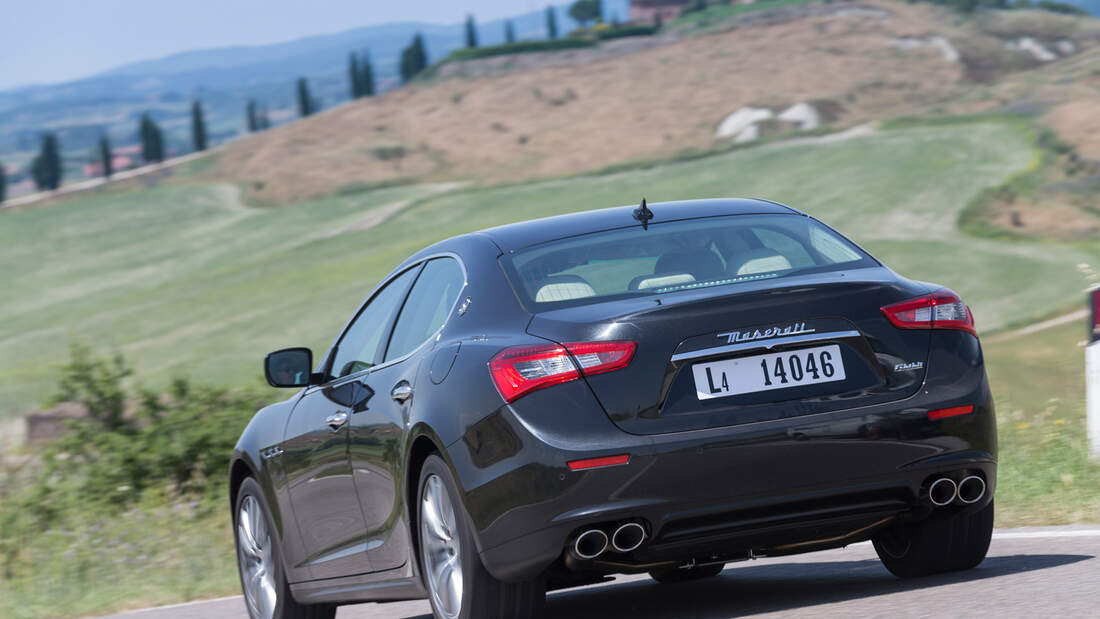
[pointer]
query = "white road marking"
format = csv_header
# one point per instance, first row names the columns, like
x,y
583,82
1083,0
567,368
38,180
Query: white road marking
x,y
1046,534
180,605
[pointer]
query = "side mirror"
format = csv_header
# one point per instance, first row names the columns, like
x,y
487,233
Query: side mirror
x,y
289,367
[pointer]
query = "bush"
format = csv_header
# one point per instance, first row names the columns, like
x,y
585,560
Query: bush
x,y
129,504
627,31
179,441
1061,7
522,47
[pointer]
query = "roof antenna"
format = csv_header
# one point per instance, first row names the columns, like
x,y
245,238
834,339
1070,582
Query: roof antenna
x,y
643,214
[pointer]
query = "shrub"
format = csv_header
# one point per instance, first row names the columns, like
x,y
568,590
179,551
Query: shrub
x,y
641,30
522,47
135,440
1061,7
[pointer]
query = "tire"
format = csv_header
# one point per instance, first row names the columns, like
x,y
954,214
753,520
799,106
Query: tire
x,y
937,545
260,562
444,532
675,575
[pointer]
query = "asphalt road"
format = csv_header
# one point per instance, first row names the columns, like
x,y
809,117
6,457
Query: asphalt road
x,y
1035,572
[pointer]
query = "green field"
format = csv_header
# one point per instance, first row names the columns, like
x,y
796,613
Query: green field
x,y
185,280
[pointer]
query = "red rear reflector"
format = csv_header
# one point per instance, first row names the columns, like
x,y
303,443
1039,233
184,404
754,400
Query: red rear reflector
x,y
520,370
950,412
595,463
942,309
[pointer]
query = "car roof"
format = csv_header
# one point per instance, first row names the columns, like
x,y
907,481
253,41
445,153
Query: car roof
x,y
510,237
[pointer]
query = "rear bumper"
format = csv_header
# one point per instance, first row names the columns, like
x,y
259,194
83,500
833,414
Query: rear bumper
x,y
778,487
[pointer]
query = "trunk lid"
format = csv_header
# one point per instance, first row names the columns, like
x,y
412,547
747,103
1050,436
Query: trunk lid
x,y
750,323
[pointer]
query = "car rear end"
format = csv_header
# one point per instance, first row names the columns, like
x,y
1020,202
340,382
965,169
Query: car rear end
x,y
714,389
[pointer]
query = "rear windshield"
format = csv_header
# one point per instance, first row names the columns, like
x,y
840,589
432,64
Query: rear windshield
x,y
681,255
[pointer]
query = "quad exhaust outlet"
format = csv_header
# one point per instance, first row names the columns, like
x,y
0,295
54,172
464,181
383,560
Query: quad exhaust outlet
x,y
967,491
591,543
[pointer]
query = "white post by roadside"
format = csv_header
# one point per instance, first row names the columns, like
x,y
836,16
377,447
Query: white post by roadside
x,y
1092,375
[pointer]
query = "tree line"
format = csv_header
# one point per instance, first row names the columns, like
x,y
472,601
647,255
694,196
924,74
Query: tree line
x,y
47,167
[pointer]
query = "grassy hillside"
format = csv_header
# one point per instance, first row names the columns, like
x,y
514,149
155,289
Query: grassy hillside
x,y
538,116
186,281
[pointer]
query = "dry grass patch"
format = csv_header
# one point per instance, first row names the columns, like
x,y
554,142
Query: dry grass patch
x,y
1032,218
1078,122
568,118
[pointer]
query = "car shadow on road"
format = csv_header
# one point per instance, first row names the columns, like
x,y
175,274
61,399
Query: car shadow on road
x,y
770,588
754,589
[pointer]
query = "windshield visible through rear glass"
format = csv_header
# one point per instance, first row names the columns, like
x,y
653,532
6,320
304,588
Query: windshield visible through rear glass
x,y
683,255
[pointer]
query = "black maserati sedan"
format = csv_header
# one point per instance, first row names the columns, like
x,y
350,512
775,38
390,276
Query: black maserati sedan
x,y
660,389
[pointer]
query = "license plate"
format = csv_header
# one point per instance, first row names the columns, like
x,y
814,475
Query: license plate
x,y
795,368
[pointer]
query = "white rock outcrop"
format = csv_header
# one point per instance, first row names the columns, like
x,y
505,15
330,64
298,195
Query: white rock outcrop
x,y
802,115
1065,47
734,125
747,134
948,50
1033,47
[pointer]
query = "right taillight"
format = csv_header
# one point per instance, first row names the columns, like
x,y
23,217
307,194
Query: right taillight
x,y
942,309
520,370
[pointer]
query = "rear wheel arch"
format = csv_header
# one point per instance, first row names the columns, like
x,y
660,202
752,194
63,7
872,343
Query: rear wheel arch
x,y
422,447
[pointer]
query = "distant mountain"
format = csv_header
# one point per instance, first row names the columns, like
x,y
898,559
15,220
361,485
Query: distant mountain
x,y
224,79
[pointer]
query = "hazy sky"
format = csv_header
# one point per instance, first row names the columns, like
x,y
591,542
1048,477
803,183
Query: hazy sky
x,y
44,41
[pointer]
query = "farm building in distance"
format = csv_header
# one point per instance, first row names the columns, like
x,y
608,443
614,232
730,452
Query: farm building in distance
x,y
647,10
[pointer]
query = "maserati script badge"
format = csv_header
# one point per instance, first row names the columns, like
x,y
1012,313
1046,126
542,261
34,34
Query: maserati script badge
x,y
796,328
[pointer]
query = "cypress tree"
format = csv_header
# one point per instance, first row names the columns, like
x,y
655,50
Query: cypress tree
x,y
105,157
366,75
509,32
551,23
46,167
3,183
152,141
354,78
250,115
414,59
305,102
471,32
198,127
585,11
421,53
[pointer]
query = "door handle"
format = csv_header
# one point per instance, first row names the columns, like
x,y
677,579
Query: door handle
x,y
403,391
336,420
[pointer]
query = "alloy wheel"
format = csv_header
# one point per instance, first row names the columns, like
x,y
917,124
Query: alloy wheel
x,y
441,548
257,564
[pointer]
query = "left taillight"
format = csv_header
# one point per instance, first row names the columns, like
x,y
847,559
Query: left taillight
x,y
942,309
520,370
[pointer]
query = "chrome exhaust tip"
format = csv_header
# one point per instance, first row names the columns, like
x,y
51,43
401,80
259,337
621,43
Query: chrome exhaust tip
x,y
971,489
589,545
628,537
943,491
